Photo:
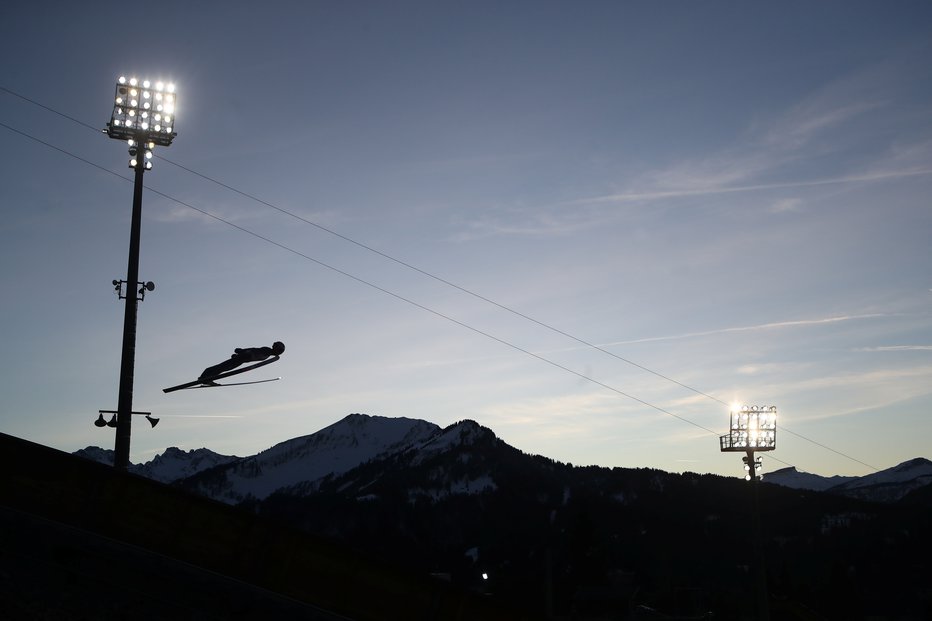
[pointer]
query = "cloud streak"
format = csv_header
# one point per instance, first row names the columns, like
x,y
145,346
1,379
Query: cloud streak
x,y
878,390
897,348
629,197
821,123
799,137
763,326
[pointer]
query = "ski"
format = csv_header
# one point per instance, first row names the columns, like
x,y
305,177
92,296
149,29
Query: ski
x,y
205,383
216,385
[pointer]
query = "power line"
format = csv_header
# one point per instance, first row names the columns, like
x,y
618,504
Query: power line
x,y
52,110
440,279
398,261
828,448
64,151
420,271
510,310
377,287
367,283
392,258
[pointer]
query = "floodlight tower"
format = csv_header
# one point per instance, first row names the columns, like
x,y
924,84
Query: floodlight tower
x,y
754,428
143,115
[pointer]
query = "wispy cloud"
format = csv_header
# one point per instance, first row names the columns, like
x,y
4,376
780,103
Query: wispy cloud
x,y
751,370
899,382
568,413
786,205
542,221
822,112
199,416
764,326
827,121
747,167
688,192
897,348
173,213
876,389
545,223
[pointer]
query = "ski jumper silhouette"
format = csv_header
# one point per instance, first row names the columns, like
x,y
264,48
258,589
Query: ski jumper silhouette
x,y
241,356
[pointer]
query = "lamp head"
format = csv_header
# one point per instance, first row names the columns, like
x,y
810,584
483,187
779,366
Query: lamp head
x,y
143,111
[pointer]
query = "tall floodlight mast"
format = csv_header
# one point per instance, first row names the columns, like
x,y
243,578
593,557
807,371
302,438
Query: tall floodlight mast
x,y
754,428
143,116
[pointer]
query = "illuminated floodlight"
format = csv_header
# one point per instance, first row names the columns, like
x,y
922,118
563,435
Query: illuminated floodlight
x,y
753,428
133,100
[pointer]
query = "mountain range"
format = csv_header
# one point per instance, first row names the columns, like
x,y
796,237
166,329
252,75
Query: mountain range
x,y
298,466
888,485
586,541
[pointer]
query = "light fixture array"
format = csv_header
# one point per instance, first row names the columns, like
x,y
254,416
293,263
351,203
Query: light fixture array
x,y
753,427
144,116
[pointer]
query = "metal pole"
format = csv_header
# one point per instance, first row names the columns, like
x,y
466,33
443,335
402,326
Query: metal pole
x,y
128,364
760,577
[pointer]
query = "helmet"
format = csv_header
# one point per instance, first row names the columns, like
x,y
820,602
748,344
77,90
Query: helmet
x,y
278,347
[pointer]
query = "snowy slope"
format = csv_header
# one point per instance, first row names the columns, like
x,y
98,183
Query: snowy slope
x,y
299,466
172,465
462,459
333,450
885,486
469,473
95,453
791,477
906,472
463,433
176,464
889,485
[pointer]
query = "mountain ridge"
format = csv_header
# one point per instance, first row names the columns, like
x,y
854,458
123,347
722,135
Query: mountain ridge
x,y
460,502
889,485
300,465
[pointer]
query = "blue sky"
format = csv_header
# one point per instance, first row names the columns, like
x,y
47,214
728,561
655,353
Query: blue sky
x,y
732,196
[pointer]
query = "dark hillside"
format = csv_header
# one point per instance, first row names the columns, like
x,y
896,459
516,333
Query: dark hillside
x,y
594,543
81,540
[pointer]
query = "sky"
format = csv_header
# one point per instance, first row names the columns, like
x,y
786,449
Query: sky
x,y
589,226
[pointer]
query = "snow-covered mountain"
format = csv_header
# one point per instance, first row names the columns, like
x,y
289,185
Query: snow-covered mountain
x,y
305,461
175,464
172,465
95,453
299,466
887,485
451,461
791,477
460,502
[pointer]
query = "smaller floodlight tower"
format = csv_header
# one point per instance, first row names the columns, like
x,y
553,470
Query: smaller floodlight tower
x,y
144,116
753,428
